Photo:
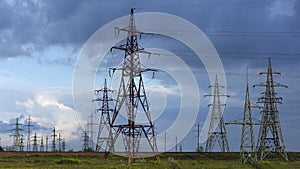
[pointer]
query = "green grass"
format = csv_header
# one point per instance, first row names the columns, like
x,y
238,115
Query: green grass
x,y
167,161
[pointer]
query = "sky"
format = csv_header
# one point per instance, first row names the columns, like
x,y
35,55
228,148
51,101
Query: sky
x,y
41,40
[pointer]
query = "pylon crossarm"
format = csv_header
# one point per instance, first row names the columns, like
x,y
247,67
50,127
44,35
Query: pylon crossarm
x,y
274,73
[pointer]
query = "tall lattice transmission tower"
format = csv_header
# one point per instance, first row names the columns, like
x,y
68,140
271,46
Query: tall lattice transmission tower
x,y
28,125
270,137
63,145
132,97
90,131
42,145
217,130
47,143
54,135
247,145
86,141
17,137
35,143
104,137
59,142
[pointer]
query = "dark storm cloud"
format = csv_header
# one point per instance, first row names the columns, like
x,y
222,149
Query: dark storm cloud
x,y
28,26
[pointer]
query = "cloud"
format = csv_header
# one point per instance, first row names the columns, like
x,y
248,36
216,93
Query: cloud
x,y
48,112
5,72
29,26
168,90
282,8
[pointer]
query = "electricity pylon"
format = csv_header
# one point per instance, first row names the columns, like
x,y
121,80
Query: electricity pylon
x,y
17,137
42,145
270,137
217,130
104,137
53,140
35,143
86,140
28,125
46,143
63,145
90,131
247,145
59,142
132,97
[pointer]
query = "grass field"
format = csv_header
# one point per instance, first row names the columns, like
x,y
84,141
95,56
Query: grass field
x,y
168,160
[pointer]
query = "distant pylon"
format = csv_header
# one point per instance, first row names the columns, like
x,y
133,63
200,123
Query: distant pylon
x,y
35,143
46,143
217,130
132,98
104,137
59,142
86,140
270,137
28,125
53,140
17,137
63,145
42,145
90,131
247,145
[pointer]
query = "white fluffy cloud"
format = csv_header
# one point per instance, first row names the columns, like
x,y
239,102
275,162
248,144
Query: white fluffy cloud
x,y
48,112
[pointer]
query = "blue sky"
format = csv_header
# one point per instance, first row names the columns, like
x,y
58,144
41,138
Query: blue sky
x,y
40,41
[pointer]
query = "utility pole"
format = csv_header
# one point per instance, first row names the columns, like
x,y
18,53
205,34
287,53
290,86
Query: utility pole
x,y
176,145
165,141
247,145
28,125
217,130
198,137
53,140
132,96
104,138
270,137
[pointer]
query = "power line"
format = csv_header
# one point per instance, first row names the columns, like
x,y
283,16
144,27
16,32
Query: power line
x,y
218,4
293,34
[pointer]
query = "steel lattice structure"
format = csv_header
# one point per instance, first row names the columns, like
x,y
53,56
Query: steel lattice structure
x,y
54,135
247,145
131,97
217,130
17,137
270,137
104,137
86,141
28,125
35,143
